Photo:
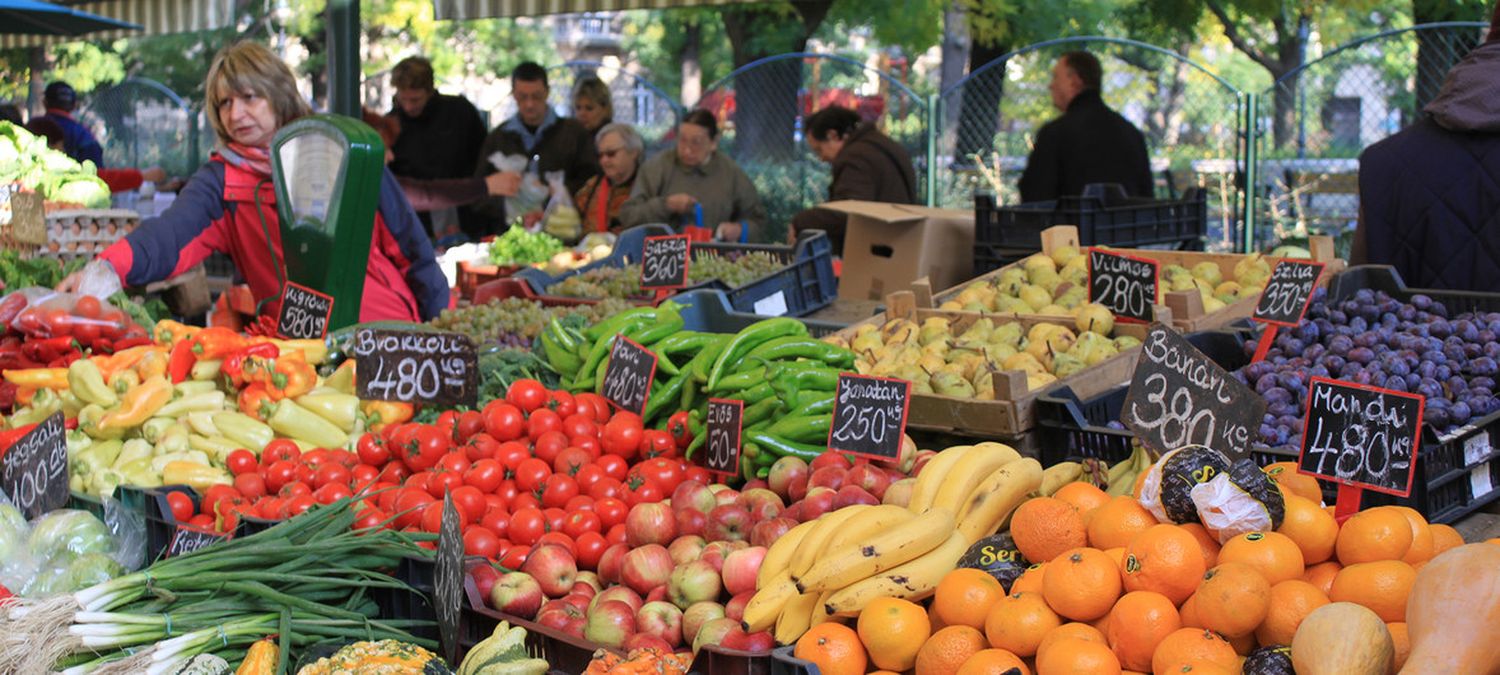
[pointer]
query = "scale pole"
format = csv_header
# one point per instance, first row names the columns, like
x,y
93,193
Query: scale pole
x,y
343,57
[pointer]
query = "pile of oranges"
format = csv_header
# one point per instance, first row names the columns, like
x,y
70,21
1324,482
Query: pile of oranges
x,y
1112,590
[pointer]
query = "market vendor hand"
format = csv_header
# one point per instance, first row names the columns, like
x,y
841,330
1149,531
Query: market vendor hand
x,y
503,184
69,284
154,174
531,218
681,203
729,231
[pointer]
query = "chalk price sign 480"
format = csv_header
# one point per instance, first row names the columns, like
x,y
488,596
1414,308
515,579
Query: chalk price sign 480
x,y
416,367
1361,435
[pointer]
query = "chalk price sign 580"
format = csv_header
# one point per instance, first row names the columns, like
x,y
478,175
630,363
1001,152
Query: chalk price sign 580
x,y
416,367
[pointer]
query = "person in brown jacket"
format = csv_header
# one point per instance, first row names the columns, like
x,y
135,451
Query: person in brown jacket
x,y
867,166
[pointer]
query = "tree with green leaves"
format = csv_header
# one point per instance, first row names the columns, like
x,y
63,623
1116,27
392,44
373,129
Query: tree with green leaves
x,y
1438,51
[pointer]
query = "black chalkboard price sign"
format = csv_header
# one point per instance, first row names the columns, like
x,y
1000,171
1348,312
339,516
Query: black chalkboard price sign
x,y
416,367
1180,397
628,376
188,539
869,416
1284,300
448,579
1125,284
664,262
34,471
1361,436
724,429
304,313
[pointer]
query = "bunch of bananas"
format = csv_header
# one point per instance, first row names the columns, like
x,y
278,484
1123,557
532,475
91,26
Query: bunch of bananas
x,y
502,653
1115,480
836,565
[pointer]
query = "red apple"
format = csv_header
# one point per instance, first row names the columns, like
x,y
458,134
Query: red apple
x,y
590,578
830,459
650,523
485,576
850,495
554,568
923,457
694,617
713,632
726,496
762,504
831,477
818,502
899,493
717,551
738,639
646,568
662,620
728,522
696,581
611,563
695,495
797,488
767,532
870,478
574,625
735,608
686,548
740,569
618,594
645,641
792,513
557,614
658,594
584,589
783,472
578,600
690,521
905,458
517,594
610,624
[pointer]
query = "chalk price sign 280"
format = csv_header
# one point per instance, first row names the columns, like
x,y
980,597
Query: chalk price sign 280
x,y
416,367
1124,284
869,416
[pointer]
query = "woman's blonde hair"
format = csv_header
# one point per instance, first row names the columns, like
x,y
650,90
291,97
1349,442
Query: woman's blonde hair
x,y
594,89
250,66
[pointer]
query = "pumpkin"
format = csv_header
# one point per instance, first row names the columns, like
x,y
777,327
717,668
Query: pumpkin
x,y
1452,613
1342,638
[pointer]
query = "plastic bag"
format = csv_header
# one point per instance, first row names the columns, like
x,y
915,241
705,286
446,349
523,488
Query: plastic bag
x,y
532,195
47,313
561,219
1166,491
1240,501
98,279
64,551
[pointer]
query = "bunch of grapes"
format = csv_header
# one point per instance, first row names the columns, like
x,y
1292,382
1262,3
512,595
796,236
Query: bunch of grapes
x,y
515,322
735,270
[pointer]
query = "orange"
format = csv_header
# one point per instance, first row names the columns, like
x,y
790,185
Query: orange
x,y
1381,533
1166,559
893,631
1291,602
1233,599
1140,480
1117,522
1138,622
1243,644
1493,540
947,650
993,662
1321,575
834,648
1402,641
1285,475
1082,584
1070,631
1381,586
1193,645
1189,612
1117,555
1201,668
1274,555
1312,528
1030,581
1043,527
964,597
1206,541
1019,622
1078,657
1422,544
1083,496
1444,537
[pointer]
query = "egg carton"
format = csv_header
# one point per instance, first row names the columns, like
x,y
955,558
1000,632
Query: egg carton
x,y
90,225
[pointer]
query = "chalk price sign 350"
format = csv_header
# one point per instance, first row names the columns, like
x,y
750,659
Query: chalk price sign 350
x,y
416,367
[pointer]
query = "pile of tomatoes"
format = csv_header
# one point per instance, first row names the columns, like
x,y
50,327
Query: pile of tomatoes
x,y
536,466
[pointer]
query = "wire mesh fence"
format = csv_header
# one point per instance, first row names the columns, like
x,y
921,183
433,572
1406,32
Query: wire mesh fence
x,y
762,107
1316,120
141,123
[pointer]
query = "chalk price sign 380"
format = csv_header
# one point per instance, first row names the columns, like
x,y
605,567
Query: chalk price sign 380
x,y
416,367
1180,397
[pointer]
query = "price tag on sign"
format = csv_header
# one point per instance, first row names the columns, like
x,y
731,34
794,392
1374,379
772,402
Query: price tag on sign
x,y
1125,284
724,427
416,367
1180,397
664,262
1284,300
628,376
188,539
448,581
304,313
1361,436
34,471
869,416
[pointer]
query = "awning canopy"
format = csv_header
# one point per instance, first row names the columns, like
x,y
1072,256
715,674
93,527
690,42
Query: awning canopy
x,y
155,17
34,17
461,10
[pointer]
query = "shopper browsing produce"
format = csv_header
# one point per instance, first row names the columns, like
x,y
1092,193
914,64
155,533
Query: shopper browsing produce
x,y
867,165
1089,144
693,175
600,199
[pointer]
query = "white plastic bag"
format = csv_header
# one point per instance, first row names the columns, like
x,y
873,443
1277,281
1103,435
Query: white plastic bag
x,y
561,219
1239,501
532,195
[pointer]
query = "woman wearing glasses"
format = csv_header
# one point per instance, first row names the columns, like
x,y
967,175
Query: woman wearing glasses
x,y
674,186
599,200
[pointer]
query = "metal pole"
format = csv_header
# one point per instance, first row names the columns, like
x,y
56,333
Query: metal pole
x,y
932,118
343,57
1250,173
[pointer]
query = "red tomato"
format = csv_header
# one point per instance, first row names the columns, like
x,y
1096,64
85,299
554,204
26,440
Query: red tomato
x,y
251,485
611,512
240,461
279,449
614,466
427,447
369,519
554,518
432,518
363,475
507,491
409,505
442,482
562,403
579,522
527,526
372,450
542,421
331,474
524,500
497,521
514,557
495,503
87,306
470,503
457,462
57,322
657,443
593,405
470,423
549,445
558,489
480,446
306,473
570,461
341,456
616,535
298,505
394,472
699,474
589,444
485,474
642,490
586,475
480,541
296,489
580,424
181,505
607,488
448,422
419,481
201,521
332,492
386,500
280,473
316,457
622,435
504,421
579,503
557,539
589,548
666,473
511,454
270,508
530,473
527,395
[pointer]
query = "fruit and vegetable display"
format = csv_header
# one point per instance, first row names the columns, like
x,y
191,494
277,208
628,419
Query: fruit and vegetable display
x,y
515,322
26,159
937,359
502,653
734,270
519,246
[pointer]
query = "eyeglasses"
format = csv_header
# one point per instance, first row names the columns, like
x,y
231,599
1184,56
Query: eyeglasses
x,y
610,154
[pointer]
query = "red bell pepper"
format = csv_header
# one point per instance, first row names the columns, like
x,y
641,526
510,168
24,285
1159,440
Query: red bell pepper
x,y
180,361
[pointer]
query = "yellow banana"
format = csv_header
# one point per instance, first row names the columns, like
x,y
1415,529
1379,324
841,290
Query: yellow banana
x,y
1059,475
766,605
795,618
867,524
779,556
969,471
913,580
820,613
907,541
997,496
817,538
931,478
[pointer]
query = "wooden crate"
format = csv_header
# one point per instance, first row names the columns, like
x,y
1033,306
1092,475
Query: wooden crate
x,y
1012,413
23,224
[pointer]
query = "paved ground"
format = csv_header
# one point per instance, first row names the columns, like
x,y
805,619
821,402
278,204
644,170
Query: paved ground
x,y
1481,525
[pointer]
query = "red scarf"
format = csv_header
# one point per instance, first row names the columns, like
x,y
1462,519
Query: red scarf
x,y
249,158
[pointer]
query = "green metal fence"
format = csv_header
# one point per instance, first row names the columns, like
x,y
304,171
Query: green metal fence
x,y
141,123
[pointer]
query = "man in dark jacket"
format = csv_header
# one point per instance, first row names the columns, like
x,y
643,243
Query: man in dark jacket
x,y
1429,195
78,142
867,166
1089,144
439,134
552,143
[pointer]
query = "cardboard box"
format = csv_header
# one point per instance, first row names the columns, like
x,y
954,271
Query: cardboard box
x,y
888,246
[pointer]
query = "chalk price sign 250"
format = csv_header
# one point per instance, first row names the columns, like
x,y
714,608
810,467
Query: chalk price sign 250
x,y
416,367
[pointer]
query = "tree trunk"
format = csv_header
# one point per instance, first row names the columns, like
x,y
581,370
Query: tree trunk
x,y
37,83
979,110
955,52
766,112
692,69
1286,122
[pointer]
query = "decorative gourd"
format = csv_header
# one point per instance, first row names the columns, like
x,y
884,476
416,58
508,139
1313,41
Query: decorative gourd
x,y
1452,613
262,659
1342,638
1269,660
383,657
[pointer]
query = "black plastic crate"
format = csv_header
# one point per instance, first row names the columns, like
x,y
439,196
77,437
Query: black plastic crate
x,y
784,663
709,311
1104,215
564,653
160,525
414,604
1385,278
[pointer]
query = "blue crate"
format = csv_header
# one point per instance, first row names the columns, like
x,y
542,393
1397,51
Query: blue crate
x,y
709,311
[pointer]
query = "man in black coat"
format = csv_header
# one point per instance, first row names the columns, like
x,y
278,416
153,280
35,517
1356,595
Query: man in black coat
x,y
1089,144
440,134
867,165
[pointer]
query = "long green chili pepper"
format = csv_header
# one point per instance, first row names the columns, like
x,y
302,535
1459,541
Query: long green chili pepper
x,y
616,323
742,380
799,347
802,428
661,394
750,338
783,447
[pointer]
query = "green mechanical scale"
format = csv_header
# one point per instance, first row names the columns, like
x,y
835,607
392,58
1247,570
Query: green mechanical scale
x,y
327,171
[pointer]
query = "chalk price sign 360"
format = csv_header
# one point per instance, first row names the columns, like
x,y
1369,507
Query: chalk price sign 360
x,y
416,367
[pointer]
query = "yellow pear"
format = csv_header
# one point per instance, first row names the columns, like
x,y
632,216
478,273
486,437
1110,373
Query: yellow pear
x,y
1064,255
1055,310
1008,333
1038,261
1125,342
1209,272
1039,380
1096,318
1024,362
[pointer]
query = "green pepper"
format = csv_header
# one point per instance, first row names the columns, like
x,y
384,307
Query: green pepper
x,y
800,347
71,406
747,466
249,432
133,450
295,421
742,380
783,447
752,395
88,421
760,411
686,341
664,363
87,383
202,424
183,389
591,363
206,370
802,428
124,380
707,357
791,382
139,474
614,324
661,394
209,401
667,321
217,447
154,428
96,457
748,339
698,441
822,404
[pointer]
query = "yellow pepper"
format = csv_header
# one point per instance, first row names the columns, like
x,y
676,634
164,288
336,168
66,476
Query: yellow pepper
x,y
138,405
153,364
168,332
122,360
313,350
87,383
382,413
39,378
342,379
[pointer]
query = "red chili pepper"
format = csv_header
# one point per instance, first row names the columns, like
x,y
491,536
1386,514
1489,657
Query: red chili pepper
x,y
8,392
180,362
123,344
234,365
10,436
